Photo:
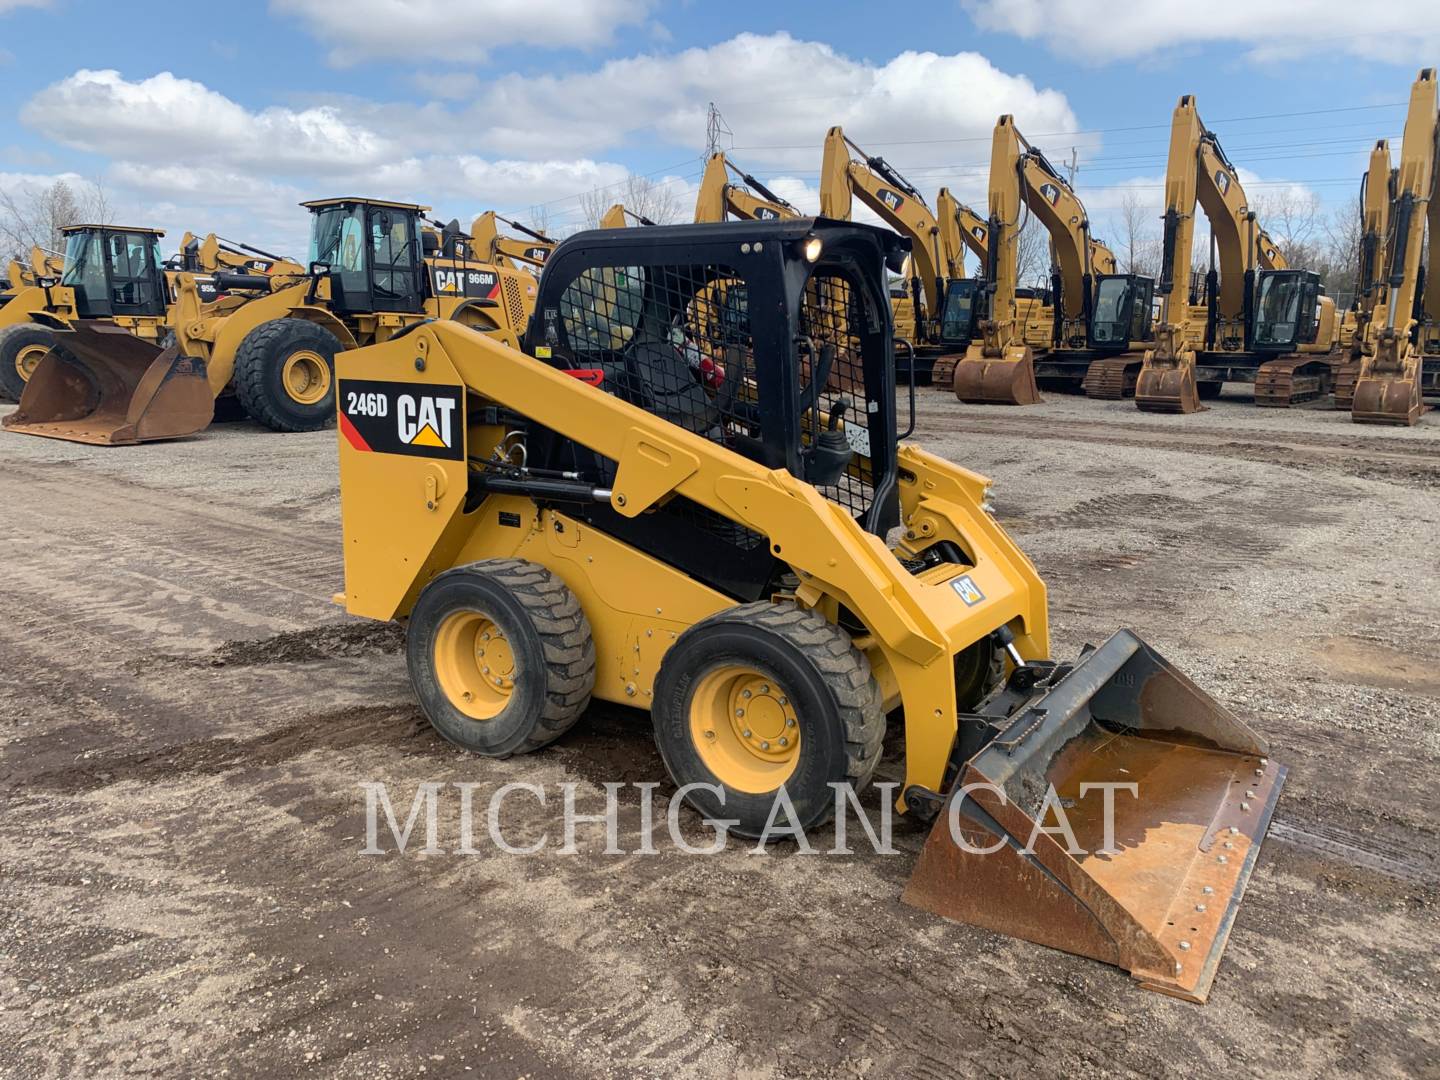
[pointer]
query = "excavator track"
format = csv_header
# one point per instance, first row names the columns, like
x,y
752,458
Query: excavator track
x,y
1112,379
1345,377
942,375
1290,381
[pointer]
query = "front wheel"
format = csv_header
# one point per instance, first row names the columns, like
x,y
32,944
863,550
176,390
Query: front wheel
x,y
285,375
762,697
21,348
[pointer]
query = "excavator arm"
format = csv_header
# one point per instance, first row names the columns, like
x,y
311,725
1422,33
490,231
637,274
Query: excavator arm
x,y
899,205
960,229
490,245
1388,390
720,199
1056,205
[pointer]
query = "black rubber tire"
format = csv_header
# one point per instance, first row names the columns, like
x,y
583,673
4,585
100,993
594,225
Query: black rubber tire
x,y
978,669
260,369
549,637
838,707
12,340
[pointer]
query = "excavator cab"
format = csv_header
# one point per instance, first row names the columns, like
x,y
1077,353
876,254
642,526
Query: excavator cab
x,y
114,271
959,318
370,251
1122,312
1286,311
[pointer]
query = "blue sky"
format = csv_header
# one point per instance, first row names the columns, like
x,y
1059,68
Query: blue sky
x,y
225,119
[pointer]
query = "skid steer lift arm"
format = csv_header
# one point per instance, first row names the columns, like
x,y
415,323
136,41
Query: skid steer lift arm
x,y
678,496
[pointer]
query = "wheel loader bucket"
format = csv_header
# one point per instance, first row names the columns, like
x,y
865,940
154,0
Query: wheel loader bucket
x,y
1007,380
105,386
1167,390
1155,888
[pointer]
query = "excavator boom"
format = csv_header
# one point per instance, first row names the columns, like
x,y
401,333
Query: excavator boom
x,y
1389,387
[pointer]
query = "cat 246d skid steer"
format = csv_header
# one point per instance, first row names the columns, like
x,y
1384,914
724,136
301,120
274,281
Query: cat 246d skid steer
x,y
686,492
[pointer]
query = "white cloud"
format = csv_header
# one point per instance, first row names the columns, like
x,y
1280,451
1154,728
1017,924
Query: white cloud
x,y
458,30
775,91
176,142
7,6
1101,30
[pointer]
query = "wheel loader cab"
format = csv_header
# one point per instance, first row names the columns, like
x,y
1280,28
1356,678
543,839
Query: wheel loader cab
x,y
1286,311
371,253
805,384
114,271
1123,311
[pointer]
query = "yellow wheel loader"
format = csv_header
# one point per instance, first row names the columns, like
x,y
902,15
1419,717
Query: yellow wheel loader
x,y
375,269
110,273
758,561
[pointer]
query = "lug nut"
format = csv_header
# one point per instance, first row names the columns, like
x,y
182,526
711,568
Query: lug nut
x,y
1207,889
765,689
1244,806
784,701
739,712
1199,907
784,741
764,745
745,693
1185,946
709,734
790,722
746,733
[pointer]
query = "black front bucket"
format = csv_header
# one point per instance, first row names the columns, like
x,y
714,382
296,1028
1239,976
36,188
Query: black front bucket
x,y
1153,884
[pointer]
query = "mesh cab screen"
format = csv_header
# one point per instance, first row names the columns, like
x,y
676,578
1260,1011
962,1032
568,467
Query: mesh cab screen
x,y
677,340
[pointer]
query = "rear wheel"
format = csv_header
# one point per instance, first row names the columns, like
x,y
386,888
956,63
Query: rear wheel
x,y
764,696
285,375
500,656
21,348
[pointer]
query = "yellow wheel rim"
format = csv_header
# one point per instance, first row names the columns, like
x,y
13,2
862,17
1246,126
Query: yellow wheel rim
x,y
744,727
27,359
306,377
474,664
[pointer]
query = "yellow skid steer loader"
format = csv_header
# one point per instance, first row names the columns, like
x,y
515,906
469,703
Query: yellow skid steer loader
x,y
601,514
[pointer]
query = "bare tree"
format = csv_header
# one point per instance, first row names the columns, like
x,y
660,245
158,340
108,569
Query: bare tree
x,y
1032,255
540,219
1138,248
657,201
33,216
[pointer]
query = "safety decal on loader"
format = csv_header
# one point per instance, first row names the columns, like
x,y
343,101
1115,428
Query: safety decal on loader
x,y
414,419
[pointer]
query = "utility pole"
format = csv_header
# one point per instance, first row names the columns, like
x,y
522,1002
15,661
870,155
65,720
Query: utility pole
x,y
1072,167
715,129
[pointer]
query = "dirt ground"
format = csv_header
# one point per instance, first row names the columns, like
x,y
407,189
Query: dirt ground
x,y
186,720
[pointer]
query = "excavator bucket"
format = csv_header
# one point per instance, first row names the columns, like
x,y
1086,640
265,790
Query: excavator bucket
x,y
1008,380
105,386
1117,814
1390,399
1167,390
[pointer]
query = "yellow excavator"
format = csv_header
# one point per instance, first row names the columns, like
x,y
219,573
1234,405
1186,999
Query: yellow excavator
x,y
1389,386
721,199
1377,193
765,567
1267,324
375,270
999,367
1097,313
931,265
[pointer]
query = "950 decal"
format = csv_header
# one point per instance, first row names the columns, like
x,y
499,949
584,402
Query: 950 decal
x,y
414,419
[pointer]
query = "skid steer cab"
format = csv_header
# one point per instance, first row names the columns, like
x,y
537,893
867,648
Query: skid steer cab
x,y
687,494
